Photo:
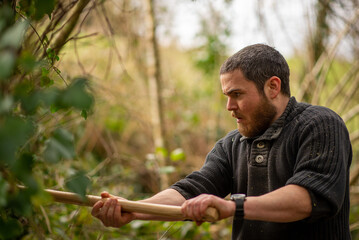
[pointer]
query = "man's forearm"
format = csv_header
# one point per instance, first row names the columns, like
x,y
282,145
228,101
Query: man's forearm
x,y
287,204
166,197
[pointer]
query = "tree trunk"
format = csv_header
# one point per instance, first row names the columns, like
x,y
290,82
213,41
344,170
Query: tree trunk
x,y
154,87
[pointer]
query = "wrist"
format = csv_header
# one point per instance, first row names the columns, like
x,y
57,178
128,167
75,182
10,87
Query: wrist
x,y
138,216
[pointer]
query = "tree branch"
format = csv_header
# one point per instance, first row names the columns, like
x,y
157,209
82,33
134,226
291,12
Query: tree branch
x,y
325,58
69,26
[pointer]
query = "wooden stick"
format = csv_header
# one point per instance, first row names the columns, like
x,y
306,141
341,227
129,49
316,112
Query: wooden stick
x,y
130,206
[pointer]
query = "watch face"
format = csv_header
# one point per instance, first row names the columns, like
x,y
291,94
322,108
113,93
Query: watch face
x,y
238,196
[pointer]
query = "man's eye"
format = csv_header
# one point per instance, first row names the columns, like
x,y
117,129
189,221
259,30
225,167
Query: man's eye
x,y
236,94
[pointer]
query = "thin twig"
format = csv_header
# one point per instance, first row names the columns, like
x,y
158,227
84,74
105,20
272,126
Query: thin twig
x,y
101,165
169,228
52,65
81,24
354,226
354,175
354,136
72,217
82,37
351,113
100,235
109,65
47,221
56,18
33,28
78,59
320,85
342,82
349,95
113,42
325,57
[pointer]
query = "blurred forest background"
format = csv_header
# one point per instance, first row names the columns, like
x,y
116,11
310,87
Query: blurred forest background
x,y
97,95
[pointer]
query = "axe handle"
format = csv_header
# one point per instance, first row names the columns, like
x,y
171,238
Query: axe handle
x,y
130,206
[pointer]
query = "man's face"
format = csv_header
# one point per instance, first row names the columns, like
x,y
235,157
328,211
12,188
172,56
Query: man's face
x,y
253,111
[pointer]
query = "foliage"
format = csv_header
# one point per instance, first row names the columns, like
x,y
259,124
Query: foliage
x,y
31,98
40,139
47,94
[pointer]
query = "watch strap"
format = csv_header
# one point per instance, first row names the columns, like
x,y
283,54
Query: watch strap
x,y
239,201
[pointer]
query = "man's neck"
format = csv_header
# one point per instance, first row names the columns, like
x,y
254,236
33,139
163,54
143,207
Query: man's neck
x,y
281,104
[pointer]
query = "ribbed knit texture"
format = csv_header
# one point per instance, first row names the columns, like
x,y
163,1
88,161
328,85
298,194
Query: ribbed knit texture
x,y
308,146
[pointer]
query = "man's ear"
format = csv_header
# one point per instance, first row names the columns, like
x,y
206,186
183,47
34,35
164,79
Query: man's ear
x,y
272,87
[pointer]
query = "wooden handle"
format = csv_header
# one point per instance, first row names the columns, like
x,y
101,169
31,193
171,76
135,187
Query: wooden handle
x,y
130,206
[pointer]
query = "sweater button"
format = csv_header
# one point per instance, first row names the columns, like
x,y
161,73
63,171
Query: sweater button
x,y
260,145
259,159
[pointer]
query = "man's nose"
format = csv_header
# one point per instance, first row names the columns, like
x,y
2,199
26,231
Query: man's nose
x,y
231,104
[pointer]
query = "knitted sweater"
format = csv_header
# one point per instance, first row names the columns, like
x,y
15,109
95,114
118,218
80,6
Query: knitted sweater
x,y
308,146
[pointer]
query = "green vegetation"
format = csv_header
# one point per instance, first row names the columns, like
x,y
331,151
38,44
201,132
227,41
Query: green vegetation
x,y
75,115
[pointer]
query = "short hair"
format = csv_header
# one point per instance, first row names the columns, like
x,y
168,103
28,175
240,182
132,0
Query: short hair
x,y
258,63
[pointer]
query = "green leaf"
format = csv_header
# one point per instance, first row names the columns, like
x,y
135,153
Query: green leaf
x,y
27,7
30,102
84,114
14,132
59,146
10,228
20,202
49,96
161,151
76,96
23,89
177,155
44,72
28,62
78,184
43,7
31,99
54,108
45,81
50,53
22,169
7,17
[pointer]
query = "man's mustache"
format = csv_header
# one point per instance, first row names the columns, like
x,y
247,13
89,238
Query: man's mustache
x,y
236,115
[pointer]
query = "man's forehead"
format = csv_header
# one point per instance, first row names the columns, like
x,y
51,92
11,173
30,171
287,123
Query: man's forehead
x,y
231,85
229,81
235,81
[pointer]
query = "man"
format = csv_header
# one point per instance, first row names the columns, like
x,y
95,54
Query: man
x,y
291,160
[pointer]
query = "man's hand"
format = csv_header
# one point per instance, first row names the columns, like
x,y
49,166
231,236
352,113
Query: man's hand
x,y
110,212
195,208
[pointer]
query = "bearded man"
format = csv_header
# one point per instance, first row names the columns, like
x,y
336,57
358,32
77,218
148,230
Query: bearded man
x,y
286,166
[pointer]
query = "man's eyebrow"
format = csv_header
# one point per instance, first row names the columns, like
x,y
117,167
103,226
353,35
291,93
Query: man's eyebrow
x,y
231,91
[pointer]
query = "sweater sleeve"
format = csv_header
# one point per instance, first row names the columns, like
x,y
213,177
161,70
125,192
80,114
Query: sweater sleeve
x,y
323,161
215,176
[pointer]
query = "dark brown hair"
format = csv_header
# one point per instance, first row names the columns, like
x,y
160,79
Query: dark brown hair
x,y
258,63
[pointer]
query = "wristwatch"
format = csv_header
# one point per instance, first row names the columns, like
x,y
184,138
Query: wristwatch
x,y
239,200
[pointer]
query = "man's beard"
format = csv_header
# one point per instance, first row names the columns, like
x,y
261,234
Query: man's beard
x,y
261,119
